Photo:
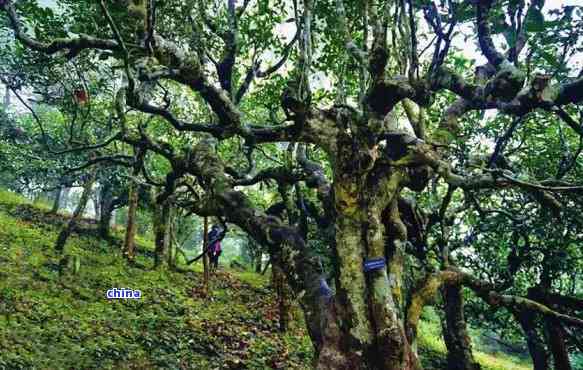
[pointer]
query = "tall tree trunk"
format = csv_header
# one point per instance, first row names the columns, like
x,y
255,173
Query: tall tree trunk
x,y
455,334
172,243
371,331
106,210
129,248
71,225
282,292
129,242
161,221
205,258
556,343
536,347
57,199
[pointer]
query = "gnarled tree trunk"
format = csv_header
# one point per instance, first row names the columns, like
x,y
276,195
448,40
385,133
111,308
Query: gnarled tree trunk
x,y
536,347
556,344
455,334
369,305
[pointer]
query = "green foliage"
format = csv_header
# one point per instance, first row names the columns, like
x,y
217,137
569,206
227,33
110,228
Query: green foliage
x,y
47,321
483,239
432,348
535,21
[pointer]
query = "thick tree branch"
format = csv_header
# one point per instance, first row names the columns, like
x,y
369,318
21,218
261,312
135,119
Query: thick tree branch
x,y
227,63
484,37
119,159
282,175
73,45
428,288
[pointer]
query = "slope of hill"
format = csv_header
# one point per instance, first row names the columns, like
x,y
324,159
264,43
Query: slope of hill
x,y
50,320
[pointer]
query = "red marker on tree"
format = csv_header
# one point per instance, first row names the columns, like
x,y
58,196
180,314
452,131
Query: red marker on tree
x,y
81,96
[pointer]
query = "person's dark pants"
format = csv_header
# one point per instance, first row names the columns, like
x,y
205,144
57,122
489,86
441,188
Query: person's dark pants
x,y
214,258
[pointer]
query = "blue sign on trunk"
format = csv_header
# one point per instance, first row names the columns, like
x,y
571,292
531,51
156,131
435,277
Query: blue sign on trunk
x,y
374,264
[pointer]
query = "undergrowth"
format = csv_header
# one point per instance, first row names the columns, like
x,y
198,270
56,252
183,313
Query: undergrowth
x,y
59,321
49,321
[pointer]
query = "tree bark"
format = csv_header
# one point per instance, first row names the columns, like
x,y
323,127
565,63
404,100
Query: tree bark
x,y
129,242
538,352
205,258
129,247
72,224
161,221
369,305
455,334
283,293
106,210
556,344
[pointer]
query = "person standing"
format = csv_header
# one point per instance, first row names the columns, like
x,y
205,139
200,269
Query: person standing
x,y
214,251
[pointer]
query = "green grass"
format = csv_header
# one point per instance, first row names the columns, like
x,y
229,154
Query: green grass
x,y
49,321
433,350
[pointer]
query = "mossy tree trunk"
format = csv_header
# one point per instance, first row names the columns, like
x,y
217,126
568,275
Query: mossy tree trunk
x,y
455,334
283,297
553,329
557,345
370,307
106,201
161,223
536,347
129,241
77,214
129,247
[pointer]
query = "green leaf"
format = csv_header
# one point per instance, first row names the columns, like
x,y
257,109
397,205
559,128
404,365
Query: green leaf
x,y
550,58
535,21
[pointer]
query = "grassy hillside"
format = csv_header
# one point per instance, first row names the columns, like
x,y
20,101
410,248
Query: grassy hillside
x,y
49,321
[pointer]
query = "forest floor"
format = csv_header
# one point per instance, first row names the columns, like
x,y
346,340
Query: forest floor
x,y
64,321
